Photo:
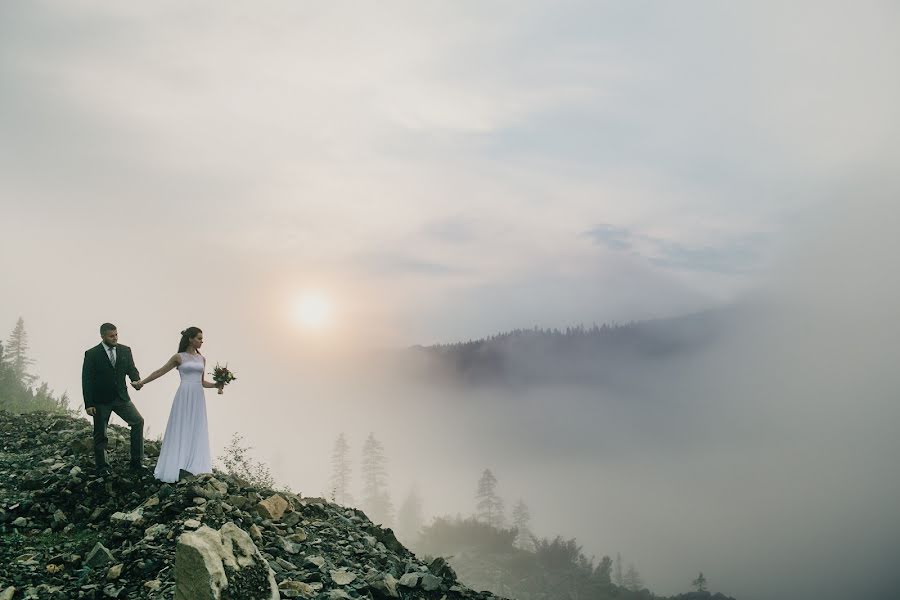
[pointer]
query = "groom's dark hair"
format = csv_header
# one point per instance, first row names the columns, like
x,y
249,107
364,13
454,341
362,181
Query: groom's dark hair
x,y
107,327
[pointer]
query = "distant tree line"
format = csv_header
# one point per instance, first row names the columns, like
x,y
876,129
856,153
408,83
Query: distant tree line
x,y
514,563
20,389
486,553
578,332
575,354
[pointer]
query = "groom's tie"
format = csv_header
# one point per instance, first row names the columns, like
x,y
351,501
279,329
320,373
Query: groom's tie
x,y
112,356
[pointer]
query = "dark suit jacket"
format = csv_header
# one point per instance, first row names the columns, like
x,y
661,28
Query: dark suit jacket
x,y
100,382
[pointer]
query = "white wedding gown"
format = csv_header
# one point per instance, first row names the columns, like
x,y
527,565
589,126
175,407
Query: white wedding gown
x,y
186,441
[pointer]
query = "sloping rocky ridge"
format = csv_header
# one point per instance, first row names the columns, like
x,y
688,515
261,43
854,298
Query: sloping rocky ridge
x,y
68,534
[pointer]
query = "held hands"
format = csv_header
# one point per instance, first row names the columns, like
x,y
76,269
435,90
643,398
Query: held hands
x,y
91,410
137,385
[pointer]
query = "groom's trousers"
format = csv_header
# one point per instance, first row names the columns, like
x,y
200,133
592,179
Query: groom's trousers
x,y
129,413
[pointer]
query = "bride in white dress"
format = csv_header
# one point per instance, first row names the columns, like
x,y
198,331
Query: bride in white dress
x,y
185,445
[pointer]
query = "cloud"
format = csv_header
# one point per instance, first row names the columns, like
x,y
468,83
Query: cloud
x,y
394,264
452,230
736,257
741,255
614,238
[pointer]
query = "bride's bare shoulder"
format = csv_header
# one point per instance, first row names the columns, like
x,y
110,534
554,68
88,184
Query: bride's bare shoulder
x,y
176,358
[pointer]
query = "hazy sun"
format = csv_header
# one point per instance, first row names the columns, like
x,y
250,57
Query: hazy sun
x,y
312,310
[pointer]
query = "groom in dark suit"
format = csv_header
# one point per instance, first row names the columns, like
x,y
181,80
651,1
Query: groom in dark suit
x,y
105,392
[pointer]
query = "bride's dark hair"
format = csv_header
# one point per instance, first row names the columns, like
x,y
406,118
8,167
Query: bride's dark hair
x,y
186,336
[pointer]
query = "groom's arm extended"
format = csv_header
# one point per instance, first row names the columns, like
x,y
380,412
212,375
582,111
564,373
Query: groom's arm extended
x,y
133,374
87,381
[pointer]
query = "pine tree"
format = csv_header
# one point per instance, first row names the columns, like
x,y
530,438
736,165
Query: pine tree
x,y
6,378
409,517
603,573
618,575
700,583
340,472
43,397
522,522
490,505
19,389
633,580
376,500
15,355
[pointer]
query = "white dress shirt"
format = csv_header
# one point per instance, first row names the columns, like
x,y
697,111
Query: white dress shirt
x,y
110,353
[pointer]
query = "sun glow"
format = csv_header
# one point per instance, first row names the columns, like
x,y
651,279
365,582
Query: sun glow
x,y
313,310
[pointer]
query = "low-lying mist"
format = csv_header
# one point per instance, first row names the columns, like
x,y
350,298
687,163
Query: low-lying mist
x,y
763,456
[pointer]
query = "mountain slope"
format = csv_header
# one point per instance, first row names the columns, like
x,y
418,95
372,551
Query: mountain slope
x,y
67,534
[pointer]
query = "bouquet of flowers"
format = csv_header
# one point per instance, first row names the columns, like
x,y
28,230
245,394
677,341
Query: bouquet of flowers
x,y
222,376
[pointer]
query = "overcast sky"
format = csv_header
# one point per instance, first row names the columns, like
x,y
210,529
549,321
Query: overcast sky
x,y
441,169
435,170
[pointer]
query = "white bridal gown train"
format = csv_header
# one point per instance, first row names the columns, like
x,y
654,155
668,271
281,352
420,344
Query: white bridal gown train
x,y
186,441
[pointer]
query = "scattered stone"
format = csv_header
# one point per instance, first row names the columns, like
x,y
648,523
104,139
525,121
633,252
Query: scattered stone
x,y
272,507
8,593
439,567
98,557
291,519
155,530
239,502
342,577
289,546
430,583
83,445
207,562
297,537
114,572
135,517
386,586
150,502
191,524
297,589
410,580
207,486
27,559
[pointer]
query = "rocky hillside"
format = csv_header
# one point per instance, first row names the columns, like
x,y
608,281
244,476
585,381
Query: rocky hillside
x,y
67,534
